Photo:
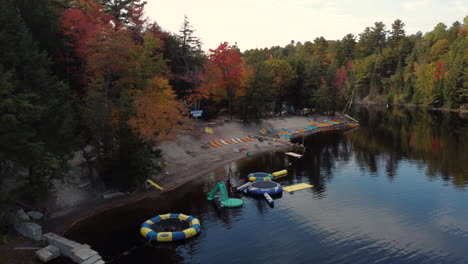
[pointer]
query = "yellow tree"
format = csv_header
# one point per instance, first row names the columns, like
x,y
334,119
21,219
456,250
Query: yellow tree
x,y
158,114
427,83
147,61
439,49
281,76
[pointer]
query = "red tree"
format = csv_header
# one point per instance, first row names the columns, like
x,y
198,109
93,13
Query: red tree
x,y
136,22
340,81
439,70
78,26
225,65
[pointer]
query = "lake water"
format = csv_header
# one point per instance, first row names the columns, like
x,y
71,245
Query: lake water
x,y
394,190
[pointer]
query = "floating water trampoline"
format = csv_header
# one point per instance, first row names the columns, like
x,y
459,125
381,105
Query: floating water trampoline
x,y
261,187
170,227
260,176
265,188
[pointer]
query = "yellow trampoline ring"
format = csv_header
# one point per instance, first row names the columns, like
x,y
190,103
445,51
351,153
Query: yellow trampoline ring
x,y
147,231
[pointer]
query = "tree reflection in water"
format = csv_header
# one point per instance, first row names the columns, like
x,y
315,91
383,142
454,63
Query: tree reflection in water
x,y
437,140
434,140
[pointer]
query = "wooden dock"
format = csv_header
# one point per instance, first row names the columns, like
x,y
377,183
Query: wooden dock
x,y
294,154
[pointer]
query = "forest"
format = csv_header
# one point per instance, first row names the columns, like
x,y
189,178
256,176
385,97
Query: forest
x,y
99,78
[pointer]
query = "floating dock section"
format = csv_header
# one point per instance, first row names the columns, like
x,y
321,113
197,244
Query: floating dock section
x,y
351,118
297,187
279,173
294,154
79,253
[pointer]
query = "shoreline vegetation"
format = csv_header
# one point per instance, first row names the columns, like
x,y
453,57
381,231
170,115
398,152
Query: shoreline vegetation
x,y
96,97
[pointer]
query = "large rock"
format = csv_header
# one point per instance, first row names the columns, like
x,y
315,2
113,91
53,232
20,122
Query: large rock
x,y
48,253
35,215
29,229
22,215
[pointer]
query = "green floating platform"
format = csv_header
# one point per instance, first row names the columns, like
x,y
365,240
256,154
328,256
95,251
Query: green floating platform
x,y
232,202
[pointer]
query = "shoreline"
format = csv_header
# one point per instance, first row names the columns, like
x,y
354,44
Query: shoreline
x,y
178,171
188,157
63,220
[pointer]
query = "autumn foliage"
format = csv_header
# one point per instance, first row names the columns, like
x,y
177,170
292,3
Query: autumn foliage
x,y
224,76
158,114
78,27
122,69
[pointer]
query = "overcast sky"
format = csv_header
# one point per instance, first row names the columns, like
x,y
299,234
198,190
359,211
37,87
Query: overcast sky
x,y
265,23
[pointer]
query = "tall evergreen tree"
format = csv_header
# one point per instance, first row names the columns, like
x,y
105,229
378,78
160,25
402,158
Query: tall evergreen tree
x,y
345,50
378,36
35,106
120,9
190,45
398,31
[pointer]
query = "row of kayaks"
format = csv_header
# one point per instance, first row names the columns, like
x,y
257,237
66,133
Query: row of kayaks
x,y
287,133
264,131
221,142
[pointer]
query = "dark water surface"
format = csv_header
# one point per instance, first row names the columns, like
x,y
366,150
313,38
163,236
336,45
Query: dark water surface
x,y
394,190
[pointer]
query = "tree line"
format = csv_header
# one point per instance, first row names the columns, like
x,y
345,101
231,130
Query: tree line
x,y
99,78
382,65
